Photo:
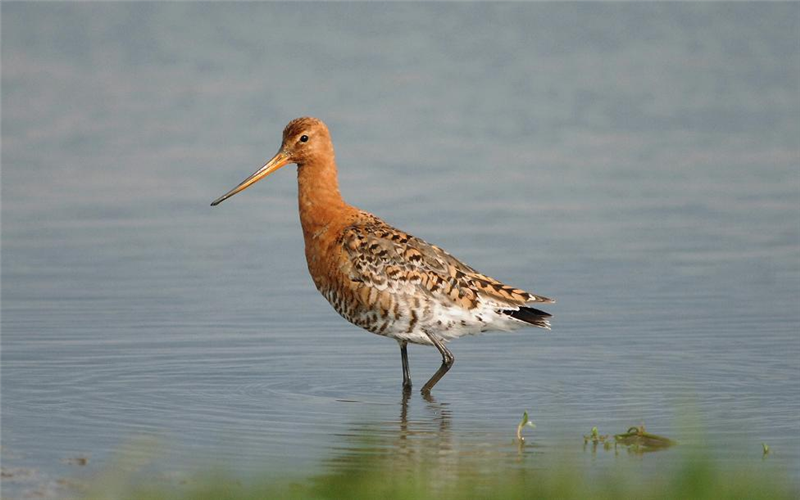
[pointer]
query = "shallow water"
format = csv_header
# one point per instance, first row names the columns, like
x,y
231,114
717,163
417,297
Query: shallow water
x,y
636,162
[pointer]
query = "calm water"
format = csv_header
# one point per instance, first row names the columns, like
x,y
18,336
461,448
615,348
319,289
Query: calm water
x,y
637,162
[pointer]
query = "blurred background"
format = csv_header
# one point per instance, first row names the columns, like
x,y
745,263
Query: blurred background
x,y
637,162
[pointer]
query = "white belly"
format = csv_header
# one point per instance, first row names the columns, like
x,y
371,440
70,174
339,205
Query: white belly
x,y
413,318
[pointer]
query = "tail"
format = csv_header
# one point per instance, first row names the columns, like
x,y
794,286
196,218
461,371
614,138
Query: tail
x,y
530,315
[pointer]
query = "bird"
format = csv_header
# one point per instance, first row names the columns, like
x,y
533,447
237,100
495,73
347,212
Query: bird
x,y
381,278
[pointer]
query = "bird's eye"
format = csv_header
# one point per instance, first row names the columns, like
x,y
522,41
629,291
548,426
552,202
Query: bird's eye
x,y
304,138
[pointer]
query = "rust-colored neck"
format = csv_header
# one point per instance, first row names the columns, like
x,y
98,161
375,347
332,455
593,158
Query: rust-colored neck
x,y
321,203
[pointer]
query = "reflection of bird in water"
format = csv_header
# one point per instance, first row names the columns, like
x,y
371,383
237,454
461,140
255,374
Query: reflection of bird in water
x,y
402,445
383,279
426,441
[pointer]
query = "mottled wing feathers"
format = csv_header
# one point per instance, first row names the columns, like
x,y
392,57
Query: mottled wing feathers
x,y
493,288
384,257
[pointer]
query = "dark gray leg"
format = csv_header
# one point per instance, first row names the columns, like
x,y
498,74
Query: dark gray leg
x,y
406,373
447,362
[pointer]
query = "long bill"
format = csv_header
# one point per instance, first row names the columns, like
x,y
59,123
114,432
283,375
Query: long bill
x,y
278,161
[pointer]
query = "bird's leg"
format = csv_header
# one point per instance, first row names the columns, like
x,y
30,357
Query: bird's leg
x,y
406,373
447,362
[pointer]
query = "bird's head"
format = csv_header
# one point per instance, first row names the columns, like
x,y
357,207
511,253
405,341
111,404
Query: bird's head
x,y
305,141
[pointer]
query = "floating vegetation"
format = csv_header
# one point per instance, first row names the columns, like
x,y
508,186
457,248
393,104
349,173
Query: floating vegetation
x,y
635,440
79,460
638,440
765,448
524,423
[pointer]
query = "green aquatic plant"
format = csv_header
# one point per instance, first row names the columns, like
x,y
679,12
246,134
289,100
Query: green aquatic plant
x,y
765,448
524,423
595,437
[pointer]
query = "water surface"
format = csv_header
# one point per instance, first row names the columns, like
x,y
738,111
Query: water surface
x,y
639,163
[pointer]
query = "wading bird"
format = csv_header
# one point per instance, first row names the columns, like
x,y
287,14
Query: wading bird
x,y
383,279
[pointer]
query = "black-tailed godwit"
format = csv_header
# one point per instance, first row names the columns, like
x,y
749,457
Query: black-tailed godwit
x,y
383,279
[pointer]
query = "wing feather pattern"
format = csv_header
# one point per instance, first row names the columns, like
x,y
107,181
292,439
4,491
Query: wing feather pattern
x,y
384,257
